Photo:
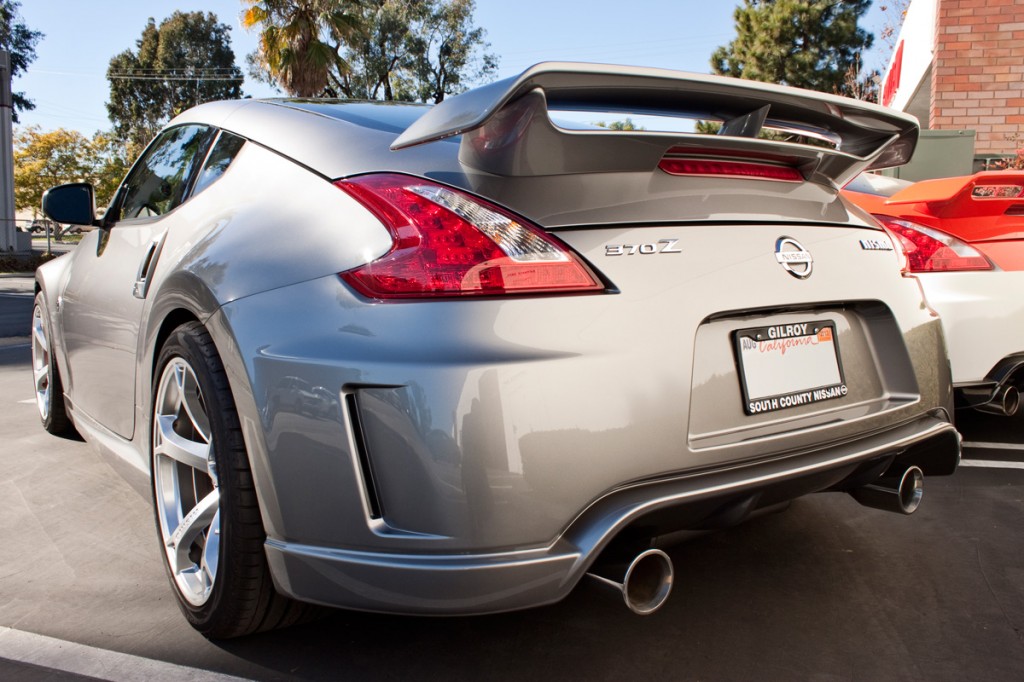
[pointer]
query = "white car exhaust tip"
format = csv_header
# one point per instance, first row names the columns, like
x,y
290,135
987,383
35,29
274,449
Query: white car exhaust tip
x,y
1004,401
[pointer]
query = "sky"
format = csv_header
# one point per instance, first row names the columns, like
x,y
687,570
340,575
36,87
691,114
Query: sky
x,y
68,84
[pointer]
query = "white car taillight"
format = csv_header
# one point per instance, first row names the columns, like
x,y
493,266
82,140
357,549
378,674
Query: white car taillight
x,y
929,250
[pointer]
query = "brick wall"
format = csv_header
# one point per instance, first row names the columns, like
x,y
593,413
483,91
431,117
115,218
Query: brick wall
x,y
978,73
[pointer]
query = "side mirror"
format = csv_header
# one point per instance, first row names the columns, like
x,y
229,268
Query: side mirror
x,y
72,203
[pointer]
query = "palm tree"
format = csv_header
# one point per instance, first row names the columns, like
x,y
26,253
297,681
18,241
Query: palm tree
x,y
301,41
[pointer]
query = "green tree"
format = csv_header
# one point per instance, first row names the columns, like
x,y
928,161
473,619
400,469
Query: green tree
x,y
809,44
20,42
300,42
185,61
382,56
110,159
450,51
626,124
419,50
44,159
369,49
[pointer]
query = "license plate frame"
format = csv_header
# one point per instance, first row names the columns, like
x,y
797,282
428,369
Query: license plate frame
x,y
770,381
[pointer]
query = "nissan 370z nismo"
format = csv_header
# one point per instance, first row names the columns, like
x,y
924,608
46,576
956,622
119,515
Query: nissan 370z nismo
x,y
452,360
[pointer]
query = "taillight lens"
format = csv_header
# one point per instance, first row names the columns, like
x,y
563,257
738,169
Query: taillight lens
x,y
929,250
447,243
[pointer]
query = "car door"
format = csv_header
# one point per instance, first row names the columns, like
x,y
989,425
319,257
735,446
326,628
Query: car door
x,y
102,302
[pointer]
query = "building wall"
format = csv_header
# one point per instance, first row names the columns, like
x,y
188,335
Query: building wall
x,y
978,73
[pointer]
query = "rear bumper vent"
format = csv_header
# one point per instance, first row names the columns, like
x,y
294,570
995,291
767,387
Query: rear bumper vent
x,y
358,437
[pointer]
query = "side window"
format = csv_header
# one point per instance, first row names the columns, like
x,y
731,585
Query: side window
x,y
220,157
159,181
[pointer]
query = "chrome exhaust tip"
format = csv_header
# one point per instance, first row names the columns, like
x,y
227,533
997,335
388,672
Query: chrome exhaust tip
x,y
899,493
644,583
1004,401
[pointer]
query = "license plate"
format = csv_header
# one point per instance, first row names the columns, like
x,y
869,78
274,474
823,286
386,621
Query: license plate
x,y
789,365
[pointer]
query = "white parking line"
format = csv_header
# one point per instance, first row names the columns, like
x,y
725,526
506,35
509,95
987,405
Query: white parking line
x,y
79,659
991,464
27,402
994,446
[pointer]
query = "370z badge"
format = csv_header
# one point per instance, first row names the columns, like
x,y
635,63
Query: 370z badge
x,y
650,248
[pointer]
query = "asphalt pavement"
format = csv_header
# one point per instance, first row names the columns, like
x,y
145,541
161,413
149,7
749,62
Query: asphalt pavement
x,y
16,294
827,590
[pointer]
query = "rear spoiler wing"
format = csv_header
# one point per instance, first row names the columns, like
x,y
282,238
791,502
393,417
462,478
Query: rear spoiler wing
x,y
506,129
982,194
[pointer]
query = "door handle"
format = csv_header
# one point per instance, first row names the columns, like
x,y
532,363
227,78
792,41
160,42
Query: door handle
x,y
146,267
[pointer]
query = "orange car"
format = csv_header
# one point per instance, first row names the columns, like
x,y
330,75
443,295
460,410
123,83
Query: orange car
x,y
963,238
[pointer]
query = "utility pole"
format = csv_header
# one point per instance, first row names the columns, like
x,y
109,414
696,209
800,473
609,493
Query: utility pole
x,y
8,234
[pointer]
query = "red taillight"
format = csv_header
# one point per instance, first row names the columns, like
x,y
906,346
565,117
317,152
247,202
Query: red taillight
x,y
447,243
736,169
929,250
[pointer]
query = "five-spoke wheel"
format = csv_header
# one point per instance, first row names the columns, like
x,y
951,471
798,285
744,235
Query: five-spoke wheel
x,y
45,376
207,513
185,481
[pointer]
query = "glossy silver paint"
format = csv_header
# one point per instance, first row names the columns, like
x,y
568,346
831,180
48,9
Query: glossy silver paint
x,y
467,456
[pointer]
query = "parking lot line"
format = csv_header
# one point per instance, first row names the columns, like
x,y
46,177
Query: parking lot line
x,y
79,659
991,464
994,446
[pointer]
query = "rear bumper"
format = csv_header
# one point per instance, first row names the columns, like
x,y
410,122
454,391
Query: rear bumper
x,y
982,316
494,582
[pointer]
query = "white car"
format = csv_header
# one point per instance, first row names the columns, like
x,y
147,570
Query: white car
x,y
963,239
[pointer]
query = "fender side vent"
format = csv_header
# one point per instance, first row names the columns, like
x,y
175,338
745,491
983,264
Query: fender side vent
x,y
1015,209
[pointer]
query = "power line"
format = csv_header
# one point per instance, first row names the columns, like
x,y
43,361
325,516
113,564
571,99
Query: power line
x,y
165,69
176,78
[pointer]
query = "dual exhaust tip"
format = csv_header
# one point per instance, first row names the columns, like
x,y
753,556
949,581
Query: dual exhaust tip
x,y
1005,401
645,581
899,492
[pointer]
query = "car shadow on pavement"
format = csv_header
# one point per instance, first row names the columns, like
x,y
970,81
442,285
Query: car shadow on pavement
x,y
790,596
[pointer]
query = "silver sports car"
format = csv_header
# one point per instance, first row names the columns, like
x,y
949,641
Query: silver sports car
x,y
452,360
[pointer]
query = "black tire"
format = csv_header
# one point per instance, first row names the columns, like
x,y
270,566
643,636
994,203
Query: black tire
x,y
241,599
48,388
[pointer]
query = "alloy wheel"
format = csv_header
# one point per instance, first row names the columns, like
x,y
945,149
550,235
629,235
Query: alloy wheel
x,y
185,482
41,362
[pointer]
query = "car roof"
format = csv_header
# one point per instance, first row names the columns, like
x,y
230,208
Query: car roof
x,y
335,138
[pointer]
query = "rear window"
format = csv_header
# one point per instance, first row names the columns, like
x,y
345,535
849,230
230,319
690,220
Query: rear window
x,y
218,160
613,121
